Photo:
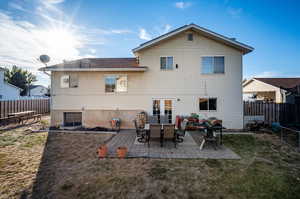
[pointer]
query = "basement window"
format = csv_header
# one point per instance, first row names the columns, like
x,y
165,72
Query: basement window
x,y
72,119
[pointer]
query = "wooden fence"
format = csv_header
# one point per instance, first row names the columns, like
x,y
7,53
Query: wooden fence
x,y
283,113
41,106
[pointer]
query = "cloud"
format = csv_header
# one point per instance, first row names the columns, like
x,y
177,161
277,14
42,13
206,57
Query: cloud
x,y
93,51
166,29
53,1
234,12
144,34
17,6
182,5
52,33
267,74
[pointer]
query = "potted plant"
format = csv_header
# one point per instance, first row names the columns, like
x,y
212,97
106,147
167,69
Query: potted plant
x,y
102,151
122,151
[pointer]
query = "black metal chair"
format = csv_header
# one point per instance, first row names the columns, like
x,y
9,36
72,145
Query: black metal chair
x,y
180,133
140,132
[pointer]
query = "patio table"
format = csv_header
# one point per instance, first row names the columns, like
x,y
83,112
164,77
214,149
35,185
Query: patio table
x,y
211,133
147,127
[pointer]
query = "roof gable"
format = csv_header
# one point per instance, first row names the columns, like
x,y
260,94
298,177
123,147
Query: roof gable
x,y
205,32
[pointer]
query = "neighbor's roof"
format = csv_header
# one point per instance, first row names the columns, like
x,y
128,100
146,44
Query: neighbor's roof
x,y
11,85
98,64
203,31
281,82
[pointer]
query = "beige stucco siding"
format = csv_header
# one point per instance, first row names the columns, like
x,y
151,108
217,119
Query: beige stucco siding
x,y
183,85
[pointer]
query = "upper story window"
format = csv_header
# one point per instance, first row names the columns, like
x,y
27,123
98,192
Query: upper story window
x,y
208,104
213,65
115,83
166,63
190,37
69,81
64,81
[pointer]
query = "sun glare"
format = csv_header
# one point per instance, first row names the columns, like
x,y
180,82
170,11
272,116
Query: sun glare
x,y
59,42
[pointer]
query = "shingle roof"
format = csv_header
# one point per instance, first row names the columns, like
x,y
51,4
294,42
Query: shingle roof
x,y
281,82
99,63
111,62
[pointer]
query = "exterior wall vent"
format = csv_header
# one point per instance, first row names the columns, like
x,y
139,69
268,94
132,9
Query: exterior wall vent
x,y
190,37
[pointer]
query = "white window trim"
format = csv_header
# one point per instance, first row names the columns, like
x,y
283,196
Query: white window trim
x,y
166,69
115,75
208,104
213,73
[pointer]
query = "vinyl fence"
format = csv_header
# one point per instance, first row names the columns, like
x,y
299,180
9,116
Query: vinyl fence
x,y
40,106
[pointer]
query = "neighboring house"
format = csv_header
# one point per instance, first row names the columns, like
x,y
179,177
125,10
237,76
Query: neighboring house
x,y
37,91
8,91
188,70
277,90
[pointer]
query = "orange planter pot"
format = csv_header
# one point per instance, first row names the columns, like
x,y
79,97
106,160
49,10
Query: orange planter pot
x,y
102,151
122,151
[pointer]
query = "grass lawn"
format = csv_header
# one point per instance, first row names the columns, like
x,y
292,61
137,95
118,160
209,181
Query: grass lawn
x,y
67,167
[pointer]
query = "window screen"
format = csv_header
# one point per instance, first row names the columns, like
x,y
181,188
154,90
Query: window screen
x,y
73,81
110,84
166,63
116,83
65,81
72,118
213,65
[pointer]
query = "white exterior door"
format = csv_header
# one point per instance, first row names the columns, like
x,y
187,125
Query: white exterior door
x,y
164,107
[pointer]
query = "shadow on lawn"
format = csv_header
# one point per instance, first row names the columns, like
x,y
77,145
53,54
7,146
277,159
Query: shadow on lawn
x,y
63,155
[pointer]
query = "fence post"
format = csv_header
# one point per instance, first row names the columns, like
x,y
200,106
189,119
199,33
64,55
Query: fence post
x,y
298,140
281,135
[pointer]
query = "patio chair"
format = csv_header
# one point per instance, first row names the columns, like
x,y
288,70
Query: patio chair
x,y
155,133
180,133
169,133
153,119
140,132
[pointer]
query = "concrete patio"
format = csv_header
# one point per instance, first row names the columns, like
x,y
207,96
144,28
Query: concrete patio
x,y
188,149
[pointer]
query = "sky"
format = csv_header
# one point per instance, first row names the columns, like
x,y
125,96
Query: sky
x,y
73,29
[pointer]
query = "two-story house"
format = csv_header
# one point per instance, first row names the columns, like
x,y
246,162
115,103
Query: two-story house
x,y
188,70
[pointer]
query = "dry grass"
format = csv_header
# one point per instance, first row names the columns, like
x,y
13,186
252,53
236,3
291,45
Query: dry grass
x,y
20,155
70,168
